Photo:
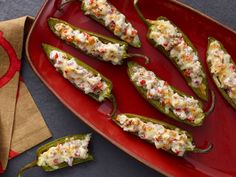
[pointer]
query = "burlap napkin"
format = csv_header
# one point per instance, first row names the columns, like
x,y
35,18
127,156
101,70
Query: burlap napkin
x,y
21,123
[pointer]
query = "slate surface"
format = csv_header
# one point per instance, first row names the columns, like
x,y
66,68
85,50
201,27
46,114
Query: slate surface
x,y
110,161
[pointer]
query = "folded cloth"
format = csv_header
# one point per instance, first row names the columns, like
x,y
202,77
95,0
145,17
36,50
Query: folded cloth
x,y
21,124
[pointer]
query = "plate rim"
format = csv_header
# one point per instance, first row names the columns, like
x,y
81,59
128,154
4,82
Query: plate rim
x,y
177,2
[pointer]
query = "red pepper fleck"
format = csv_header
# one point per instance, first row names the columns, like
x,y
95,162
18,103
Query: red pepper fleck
x,y
233,67
69,38
56,56
177,152
98,86
113,9
77,154
142,82
78,41
126,31
178,109
158,138
133,33
112,25
187,73
102,50
190,118
86,35
59,62
159,90
97,14
55,161
165,44
185,109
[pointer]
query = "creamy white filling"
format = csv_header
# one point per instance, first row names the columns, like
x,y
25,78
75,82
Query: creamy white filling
x,y
222,68
76,74
168,36
186,108
112,18
113,52
175,141
65,152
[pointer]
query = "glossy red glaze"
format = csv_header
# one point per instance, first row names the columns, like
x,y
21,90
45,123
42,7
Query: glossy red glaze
x,y
218,128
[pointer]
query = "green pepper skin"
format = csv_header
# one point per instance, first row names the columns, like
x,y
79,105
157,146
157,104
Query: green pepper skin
x,y
100,21
222,91
53,21
156,103
203,94
54,143
167,126
48,48
61,141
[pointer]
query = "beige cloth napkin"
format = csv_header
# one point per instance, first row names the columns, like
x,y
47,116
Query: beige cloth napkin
x,y
21,124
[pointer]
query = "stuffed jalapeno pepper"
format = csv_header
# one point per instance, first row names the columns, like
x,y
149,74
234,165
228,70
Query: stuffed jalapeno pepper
x,y
63,152
92,44
223,70
174,44
108,15
162,135
166,98
82,76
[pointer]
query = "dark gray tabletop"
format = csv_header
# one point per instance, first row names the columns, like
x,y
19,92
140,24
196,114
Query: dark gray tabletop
x,y
109,160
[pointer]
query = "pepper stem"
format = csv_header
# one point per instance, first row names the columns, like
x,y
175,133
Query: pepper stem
x,y
64,2
26,167
213,101
114,103
147,59
140,13
198,150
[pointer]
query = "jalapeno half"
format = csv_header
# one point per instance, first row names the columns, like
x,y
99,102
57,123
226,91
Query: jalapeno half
x,y
164,136
82,76
61,153
166,98
92,44
108,15
174,44
223,70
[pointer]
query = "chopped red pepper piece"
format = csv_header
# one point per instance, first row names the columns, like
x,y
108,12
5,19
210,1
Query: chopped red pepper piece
x,y
55,161
187,73
56,56
178,109
177,152
190,118
142,82
60,62
233,67
112,25
98,86
133,33
78,41
86,35
69,38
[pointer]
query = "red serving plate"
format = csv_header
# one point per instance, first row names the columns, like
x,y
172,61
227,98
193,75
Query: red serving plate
x,y
219,128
